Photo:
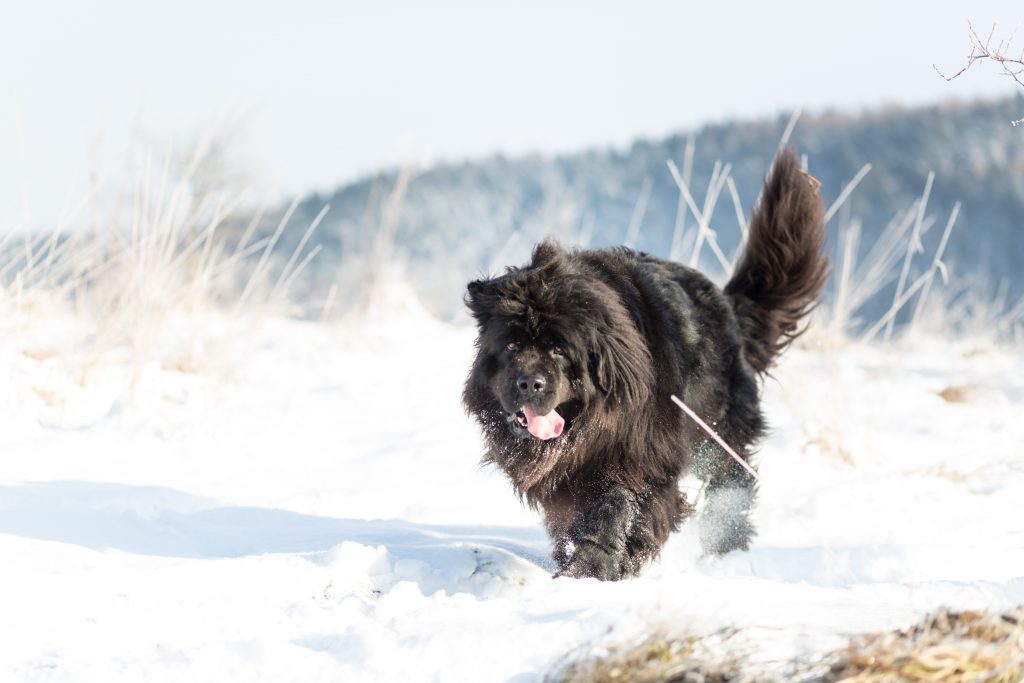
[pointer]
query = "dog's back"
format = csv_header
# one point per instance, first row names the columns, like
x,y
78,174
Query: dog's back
x,y
782,270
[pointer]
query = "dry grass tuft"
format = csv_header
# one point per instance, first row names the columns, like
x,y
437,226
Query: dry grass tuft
x,y
829,443
959,393
40,354
656,659
948,646
48,396
183,363
126,270
945,647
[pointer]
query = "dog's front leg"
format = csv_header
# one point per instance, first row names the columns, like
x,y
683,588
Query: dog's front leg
x,y
595,546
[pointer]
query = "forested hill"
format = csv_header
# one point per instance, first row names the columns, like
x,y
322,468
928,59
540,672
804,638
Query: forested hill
x,y
457,220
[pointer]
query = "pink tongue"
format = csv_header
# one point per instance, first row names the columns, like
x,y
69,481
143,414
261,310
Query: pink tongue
x,y
543,426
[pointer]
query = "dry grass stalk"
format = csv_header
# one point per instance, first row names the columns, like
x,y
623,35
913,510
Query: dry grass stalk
x,y
679,227
703,215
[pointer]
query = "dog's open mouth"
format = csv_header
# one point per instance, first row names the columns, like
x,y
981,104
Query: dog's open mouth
x,y
527,421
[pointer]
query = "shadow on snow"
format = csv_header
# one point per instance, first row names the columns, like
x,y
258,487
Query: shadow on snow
x,y
150,520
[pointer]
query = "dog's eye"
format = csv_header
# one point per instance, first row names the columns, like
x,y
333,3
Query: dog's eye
x,y
511,347
558,351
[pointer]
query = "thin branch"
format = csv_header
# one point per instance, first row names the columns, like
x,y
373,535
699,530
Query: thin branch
x,y
714,435
984,49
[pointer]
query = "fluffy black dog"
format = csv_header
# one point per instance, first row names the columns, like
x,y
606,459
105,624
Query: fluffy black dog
x,y
579,352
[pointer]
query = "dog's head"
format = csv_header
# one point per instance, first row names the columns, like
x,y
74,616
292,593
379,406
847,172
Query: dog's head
x,y
555,344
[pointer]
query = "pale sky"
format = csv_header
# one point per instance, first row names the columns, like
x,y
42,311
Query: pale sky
x,y
312,93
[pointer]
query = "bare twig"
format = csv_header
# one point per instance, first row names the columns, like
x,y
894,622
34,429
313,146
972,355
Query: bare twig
x,y
984,49
999,52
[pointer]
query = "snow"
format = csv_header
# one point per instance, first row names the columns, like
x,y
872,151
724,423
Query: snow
x,y
278,500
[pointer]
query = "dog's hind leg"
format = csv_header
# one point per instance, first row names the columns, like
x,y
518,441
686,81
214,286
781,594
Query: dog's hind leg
x,y
725,524
730,489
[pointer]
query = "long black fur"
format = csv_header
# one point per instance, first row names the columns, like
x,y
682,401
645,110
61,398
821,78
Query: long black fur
x,y
605,337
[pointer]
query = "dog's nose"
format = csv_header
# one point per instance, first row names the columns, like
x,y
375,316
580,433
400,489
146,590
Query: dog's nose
x,y
530,383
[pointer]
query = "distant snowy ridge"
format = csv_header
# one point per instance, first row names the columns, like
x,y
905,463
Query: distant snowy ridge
x,y
451,222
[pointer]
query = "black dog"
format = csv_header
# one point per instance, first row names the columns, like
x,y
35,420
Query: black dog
x,y
579,352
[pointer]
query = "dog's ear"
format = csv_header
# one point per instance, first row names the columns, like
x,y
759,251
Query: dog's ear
x,y
621,370
620,362
547,253
479,288
481,298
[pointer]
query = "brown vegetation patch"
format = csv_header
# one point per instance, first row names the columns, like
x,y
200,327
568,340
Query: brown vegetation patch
x,y
183,363
830,444
959,393
50,397
659,659
948,646
38,353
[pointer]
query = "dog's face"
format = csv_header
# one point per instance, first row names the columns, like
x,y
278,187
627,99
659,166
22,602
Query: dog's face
x,y
555,345
537,380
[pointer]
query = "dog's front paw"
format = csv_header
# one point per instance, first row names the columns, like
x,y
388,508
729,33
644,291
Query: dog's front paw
x,y
591,561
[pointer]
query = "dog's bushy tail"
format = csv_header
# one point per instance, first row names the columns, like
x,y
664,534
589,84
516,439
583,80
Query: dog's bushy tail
x,y
782,269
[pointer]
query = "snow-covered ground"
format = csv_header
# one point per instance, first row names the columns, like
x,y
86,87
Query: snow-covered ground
x,y
289,501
